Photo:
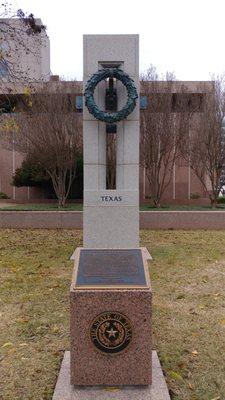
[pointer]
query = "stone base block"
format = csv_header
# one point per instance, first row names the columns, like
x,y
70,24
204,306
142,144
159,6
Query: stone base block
x,y
65,391
111,227
111,318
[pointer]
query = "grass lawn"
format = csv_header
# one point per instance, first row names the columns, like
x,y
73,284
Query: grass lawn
x,y
79,207
187,274
40,207
146,207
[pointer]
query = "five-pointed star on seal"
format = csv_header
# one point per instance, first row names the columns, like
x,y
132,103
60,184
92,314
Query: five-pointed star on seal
x,y
111,332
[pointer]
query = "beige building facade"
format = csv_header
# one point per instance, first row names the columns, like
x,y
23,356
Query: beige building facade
x,y
184,186
185,97
26,54
25,60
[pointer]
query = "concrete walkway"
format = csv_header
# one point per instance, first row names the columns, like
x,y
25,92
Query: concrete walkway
x,y
187,220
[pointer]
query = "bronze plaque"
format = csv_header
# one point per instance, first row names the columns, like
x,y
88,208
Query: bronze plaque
x,y
111,268
111,332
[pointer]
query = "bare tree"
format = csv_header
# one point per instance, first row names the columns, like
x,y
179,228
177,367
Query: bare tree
x,y
48,131
15,29
161,132
207,144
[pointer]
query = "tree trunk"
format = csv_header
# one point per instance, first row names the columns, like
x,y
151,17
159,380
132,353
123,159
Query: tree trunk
x,y
213,202
156,203
61,201
62,183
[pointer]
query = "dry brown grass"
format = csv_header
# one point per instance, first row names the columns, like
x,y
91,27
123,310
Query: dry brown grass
x,y
188,274
189,310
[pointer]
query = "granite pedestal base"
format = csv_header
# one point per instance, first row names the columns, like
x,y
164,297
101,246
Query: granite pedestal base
x,y
111,299
65,391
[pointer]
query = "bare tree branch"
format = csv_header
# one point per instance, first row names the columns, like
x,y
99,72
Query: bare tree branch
x,y
207,142
161,133
48,130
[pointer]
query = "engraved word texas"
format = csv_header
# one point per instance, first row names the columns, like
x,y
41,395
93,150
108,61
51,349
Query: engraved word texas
x,y
111,198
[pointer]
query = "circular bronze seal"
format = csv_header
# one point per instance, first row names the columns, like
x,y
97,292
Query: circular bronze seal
x,y
111,332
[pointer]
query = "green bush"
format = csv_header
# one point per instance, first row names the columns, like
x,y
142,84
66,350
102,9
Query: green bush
x,y
221,200
3,195
195,196
29,174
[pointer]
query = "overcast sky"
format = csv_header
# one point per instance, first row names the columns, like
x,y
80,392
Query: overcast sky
x,y
184,36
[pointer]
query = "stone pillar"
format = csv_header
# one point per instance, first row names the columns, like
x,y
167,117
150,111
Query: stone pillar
x,y
111,217
110,292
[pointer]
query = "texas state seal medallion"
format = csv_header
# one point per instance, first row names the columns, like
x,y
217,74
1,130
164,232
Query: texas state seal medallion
x,y
111,332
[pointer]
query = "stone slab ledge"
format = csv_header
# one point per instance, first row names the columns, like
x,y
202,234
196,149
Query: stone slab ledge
x,y
65,391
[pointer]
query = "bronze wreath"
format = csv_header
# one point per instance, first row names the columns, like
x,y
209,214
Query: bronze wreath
x,y
131,95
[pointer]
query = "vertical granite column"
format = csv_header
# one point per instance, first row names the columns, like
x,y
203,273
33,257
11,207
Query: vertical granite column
x,y
111,217
110,291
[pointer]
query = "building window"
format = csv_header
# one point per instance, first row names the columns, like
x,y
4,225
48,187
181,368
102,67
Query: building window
x,y
143,102
79,103
4,70
187,102
8,103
